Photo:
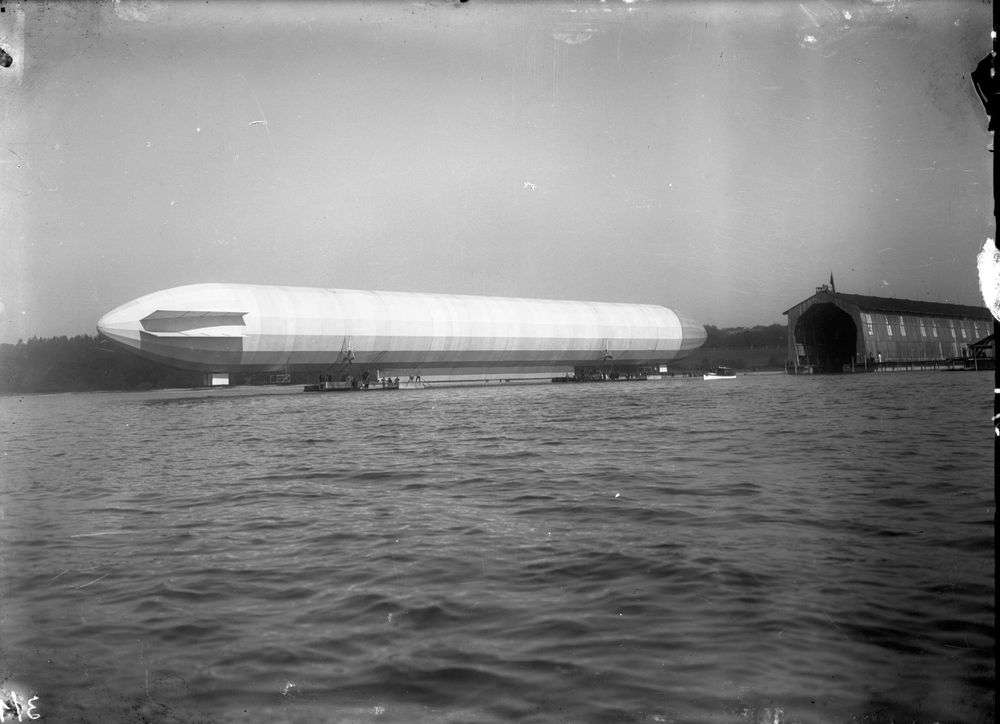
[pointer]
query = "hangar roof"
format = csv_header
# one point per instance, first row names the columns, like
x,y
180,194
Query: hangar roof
x,y
907,306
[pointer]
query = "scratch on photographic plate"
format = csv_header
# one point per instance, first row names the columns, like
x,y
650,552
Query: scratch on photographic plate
x,y
263,119
101,578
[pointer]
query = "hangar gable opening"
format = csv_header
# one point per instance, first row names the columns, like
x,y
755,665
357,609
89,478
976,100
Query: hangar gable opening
x,y
826,337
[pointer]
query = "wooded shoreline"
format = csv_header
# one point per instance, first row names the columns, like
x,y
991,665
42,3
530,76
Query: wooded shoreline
x,y
87,363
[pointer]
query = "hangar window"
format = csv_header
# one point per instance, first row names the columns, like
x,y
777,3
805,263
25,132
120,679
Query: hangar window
x,y
934,328
963,332
975,329
888,326
902,329
951,324
923,329
868,321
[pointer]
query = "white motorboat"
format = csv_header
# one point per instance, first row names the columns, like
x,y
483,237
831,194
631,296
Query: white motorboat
x,y
719,373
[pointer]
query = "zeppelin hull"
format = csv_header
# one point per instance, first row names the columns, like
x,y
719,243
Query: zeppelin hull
x,y
233,328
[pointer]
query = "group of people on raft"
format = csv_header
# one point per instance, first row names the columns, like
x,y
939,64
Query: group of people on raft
x,y
387,383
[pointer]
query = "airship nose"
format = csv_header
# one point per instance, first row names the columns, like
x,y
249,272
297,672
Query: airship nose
x,y
693,334
122,325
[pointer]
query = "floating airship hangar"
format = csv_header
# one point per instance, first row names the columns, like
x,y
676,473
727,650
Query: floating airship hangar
x,y
833,332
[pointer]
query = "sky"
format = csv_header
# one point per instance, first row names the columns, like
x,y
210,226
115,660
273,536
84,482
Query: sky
x,y
718,158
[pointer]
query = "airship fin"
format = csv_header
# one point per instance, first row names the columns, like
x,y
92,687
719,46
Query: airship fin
x,y
189,321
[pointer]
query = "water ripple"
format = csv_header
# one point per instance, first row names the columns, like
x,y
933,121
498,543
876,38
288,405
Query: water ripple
x,y
783,550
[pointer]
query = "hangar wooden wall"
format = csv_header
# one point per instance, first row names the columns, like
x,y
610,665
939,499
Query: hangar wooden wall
x,y
885,330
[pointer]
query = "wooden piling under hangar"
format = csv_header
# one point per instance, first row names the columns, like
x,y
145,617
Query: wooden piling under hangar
x,y
831,333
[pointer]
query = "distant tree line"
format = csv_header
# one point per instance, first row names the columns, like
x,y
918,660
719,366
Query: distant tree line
x,y
744,348
772,336
84,363
80,364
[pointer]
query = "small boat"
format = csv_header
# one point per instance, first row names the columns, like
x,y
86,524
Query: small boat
x,y
719,373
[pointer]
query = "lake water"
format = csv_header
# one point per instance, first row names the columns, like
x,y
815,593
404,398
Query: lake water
x,y
770,549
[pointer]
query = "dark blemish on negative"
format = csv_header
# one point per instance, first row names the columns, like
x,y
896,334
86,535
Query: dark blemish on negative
x,y
5,60
984,79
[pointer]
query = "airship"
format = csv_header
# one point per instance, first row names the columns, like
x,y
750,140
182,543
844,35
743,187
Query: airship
x,y
226,329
